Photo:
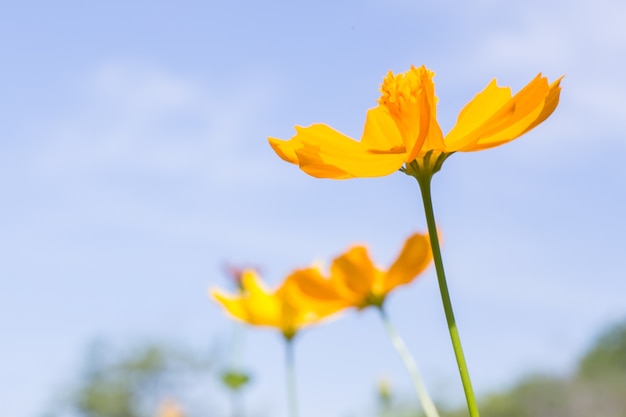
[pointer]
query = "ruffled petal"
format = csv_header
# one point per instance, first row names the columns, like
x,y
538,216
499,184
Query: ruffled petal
x,y
414,258
429,136
409,98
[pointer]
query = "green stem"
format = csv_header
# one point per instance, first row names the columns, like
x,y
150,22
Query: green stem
x,y
291,378
424,182
411,366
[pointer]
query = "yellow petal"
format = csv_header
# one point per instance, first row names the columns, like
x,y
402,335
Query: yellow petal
x,y
286,149
514,117
286,309
355,270
324,152
233,305
528,107
414,257
324,295
314,285
433,137
329,154
381,134
549,105
251,283
430,136
476,113
263,307
260,311
299,308
255,305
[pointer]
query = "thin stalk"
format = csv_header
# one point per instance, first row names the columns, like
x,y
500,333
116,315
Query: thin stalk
x,y
235,397
424,183
291,378
411,366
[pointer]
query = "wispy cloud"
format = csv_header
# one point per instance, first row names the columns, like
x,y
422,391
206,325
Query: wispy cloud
x,y
135,118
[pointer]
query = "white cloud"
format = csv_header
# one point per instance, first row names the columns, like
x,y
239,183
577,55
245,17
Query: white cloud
x,y
141,119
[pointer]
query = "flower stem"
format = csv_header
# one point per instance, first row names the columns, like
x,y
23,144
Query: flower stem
x,y
291,378
424,183
411,366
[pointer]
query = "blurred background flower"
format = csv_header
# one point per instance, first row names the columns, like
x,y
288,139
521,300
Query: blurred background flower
x,y
287,308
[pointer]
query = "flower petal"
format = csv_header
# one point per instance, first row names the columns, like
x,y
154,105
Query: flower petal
x,y
433,141
514,117
233,305
549,105
261,307
381,134
529,108
429,136
409,98
329,154
476,114
414,258
324,296
252,285
314,295
356,272
286,149
314,285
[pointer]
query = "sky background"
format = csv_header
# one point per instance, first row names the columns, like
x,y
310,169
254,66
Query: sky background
x,y
134,163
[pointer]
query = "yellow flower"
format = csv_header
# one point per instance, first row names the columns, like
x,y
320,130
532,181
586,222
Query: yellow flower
x,y
169,408
356,282
403,128
286,309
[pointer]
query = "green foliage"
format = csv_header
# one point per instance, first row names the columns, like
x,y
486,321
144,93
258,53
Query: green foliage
x,y
607,358
235,380
597,389
134,383
533,397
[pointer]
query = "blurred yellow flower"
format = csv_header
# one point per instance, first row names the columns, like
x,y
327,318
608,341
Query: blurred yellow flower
x,y
169,408
403,128
286,309
356,282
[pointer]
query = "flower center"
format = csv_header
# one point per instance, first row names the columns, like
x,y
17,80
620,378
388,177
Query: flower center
x,y
401,91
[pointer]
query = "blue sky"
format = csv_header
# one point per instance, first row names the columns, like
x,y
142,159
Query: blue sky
x,y
134,163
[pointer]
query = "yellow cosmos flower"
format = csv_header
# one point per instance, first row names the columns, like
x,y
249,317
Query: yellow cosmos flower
x,y
286,309
403,128
356,282
169,408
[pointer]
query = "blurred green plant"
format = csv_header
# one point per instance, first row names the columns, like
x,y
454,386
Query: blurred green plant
x,y
607,358
235,380
134,382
